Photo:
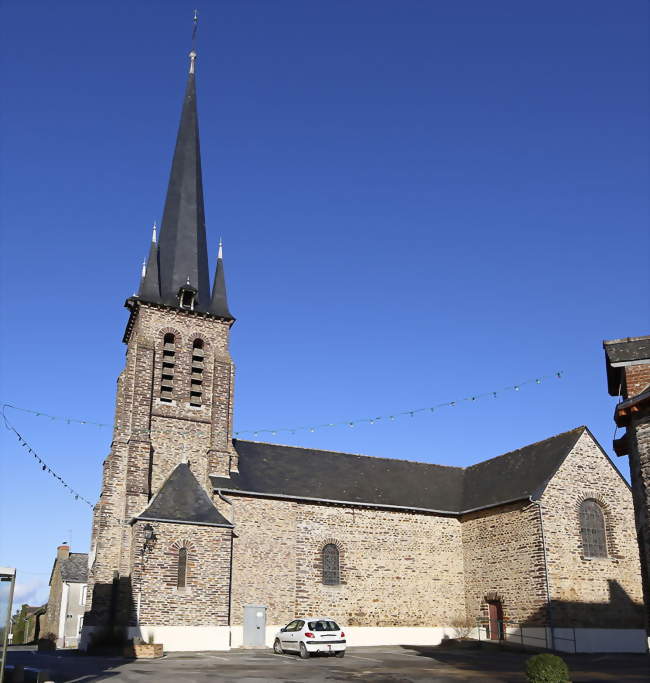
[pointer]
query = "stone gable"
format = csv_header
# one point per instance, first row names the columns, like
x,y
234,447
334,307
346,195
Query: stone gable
x,y
591,592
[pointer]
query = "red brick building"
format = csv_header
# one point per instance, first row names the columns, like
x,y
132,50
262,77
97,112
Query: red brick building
x,y
628,376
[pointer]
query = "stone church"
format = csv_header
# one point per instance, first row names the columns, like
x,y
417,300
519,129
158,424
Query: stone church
x,y
205,542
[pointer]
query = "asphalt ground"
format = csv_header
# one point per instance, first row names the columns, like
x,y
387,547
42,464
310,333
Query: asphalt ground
x,y
406,664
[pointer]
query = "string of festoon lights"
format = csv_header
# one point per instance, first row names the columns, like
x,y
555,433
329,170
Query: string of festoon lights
x,y
326,425
46,468
403,413
292,430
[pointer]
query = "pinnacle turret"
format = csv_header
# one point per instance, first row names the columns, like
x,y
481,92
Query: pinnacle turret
x,y
219,302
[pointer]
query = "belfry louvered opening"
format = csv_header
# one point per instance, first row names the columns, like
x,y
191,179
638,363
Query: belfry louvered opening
x,y
168,366
196,375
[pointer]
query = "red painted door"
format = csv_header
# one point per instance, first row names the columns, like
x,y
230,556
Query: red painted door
x,y
496,619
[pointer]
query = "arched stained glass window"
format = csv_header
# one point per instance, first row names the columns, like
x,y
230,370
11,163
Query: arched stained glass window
x,y
331,570
182,568
592,529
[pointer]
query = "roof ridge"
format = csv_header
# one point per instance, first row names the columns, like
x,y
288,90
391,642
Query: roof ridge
x,y
528,445
624,340
356,455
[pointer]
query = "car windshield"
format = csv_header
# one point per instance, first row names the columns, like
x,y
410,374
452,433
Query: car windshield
x,y
323,625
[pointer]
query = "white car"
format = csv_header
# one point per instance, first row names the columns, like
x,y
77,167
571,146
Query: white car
x,y
309,635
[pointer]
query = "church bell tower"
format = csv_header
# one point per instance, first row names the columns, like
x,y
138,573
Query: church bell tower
x,y
174,403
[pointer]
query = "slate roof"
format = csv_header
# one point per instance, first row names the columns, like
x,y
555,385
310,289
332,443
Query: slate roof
x,y
302,473
517,474
180,256
306,473
182,499
625,350
75,568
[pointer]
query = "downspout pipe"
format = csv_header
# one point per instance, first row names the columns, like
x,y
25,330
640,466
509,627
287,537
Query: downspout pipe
x,y
232,548
549,602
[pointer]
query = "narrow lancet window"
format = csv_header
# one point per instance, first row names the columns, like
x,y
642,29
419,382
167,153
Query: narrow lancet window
x,y
592,529
168,366
331,569
182,568
196,379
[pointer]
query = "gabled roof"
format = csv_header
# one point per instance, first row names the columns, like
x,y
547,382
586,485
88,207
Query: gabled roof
x,y
73,568
517,474
307,474
344,477
183,500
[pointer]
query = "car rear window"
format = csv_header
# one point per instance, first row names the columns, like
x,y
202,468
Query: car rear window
x,y
323,625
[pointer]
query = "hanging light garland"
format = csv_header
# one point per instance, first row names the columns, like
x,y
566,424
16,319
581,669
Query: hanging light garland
x,y
69,420
44,466
47,469
292,430
328,425
404,413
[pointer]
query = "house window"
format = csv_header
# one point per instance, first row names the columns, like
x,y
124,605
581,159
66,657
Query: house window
x,y
82,595
592,529
331,569
196,376
168,366
182,568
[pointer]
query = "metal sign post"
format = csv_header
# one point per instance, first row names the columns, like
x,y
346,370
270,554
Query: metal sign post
x,y
7,581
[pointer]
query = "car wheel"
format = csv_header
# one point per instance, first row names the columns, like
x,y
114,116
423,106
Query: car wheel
x,y
340,653
277,648
304,653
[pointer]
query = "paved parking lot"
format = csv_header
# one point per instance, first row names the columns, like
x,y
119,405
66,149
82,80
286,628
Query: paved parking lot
x,y
363,665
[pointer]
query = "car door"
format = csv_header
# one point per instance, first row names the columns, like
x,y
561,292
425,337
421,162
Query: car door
x,y
287,635
296,634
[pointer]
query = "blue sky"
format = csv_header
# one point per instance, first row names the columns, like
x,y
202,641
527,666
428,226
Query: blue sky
x,y
419,202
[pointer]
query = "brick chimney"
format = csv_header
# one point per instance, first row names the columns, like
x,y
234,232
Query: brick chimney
x,y
63,552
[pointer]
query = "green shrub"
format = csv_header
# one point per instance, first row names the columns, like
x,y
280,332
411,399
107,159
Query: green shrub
x,y
547,668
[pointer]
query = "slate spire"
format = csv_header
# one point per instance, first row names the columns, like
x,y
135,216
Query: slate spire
x,y
219,302
150,283
182,250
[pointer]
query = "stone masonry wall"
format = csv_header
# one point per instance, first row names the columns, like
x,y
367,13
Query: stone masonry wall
x,y
591,592
205,599
504,560
179,430
50,620
397,568
150,437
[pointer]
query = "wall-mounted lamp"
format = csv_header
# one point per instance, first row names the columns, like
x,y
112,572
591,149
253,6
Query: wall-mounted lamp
x,y
149,535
